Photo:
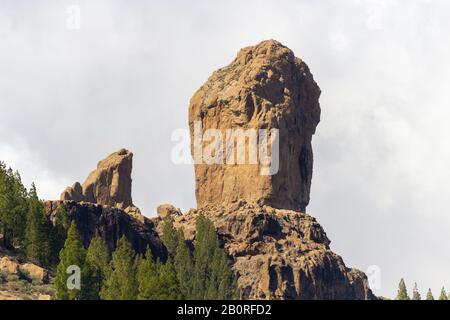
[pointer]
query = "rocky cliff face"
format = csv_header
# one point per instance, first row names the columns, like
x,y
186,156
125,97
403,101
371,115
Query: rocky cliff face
x,y
265,87
111,224
279,254
109,184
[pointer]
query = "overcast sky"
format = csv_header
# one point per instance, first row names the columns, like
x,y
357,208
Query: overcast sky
x,y
69,97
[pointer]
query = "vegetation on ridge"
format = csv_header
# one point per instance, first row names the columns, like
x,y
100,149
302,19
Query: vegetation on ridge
x,y
402,293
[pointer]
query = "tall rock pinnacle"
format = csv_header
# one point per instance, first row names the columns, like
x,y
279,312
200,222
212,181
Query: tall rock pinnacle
x,y
109,184
265,87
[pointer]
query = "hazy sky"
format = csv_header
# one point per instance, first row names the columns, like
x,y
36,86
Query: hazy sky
x,y
69,97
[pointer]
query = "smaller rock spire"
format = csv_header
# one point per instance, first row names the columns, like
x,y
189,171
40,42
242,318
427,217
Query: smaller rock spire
x,y
109,184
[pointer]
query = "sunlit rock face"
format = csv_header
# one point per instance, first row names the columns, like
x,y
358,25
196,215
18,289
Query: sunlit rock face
x,y
265,87
109,184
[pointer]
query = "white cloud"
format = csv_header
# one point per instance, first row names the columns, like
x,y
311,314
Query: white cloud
x,y
31,169
124,79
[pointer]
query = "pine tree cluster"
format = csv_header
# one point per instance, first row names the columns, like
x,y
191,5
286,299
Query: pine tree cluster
x,y
23,223
402,293
204,273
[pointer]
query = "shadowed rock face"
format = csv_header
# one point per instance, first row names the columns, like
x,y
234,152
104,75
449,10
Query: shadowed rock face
x,y
265,87
109,184
111,224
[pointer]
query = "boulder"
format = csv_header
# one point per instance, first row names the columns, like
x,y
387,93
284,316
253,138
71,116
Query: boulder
x,y
168,210
74,193
8,265
28,271
32,271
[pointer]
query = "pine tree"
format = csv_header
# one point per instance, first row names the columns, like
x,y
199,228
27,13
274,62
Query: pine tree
x,y
148,277
402,293
73,254
59,232
430,295
221,286
157,281
13,207
96,269
184,266
38,246
203,254
169,236
122,283
416,294
212,276
443,295
169,289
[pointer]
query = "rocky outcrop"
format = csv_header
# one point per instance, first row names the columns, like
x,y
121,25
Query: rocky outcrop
x,y
265,87
111,224
103,205
34,272
109,184
28,271
9,266
279,254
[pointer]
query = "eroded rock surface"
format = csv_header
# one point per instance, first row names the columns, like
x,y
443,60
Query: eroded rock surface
x,y
279,254
168,210
109,184
32,271
277,251
265,87
24,270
